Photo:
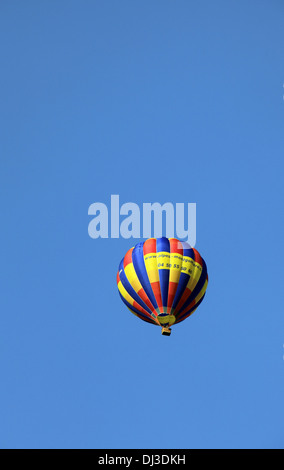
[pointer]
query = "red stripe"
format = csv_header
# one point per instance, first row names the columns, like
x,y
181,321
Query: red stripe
x,y
176,246
140,309
183,299
197,257
157,293
127,258
142,294
149,246
171,294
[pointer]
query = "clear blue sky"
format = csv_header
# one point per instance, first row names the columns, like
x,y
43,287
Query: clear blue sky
x,y
155,101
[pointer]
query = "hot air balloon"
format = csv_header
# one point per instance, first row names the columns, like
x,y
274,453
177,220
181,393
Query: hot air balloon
x,y
162,281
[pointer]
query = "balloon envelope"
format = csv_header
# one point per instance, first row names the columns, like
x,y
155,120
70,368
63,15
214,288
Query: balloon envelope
x,y
162,280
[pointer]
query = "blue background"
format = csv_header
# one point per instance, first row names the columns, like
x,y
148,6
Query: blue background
x,y
157,101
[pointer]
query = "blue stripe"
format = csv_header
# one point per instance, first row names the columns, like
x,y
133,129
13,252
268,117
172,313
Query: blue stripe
x,y
187,250
139,266
184,278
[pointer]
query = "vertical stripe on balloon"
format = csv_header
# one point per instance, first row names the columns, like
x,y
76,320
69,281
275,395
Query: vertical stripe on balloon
x,y
163,264
140,269
176,257
150,258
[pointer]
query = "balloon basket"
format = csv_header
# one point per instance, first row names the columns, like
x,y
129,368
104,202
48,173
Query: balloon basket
x,y
166,331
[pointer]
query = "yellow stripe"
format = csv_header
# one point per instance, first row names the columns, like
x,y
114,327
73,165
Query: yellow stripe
x,y
176,265
124,293
151,267
131,275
